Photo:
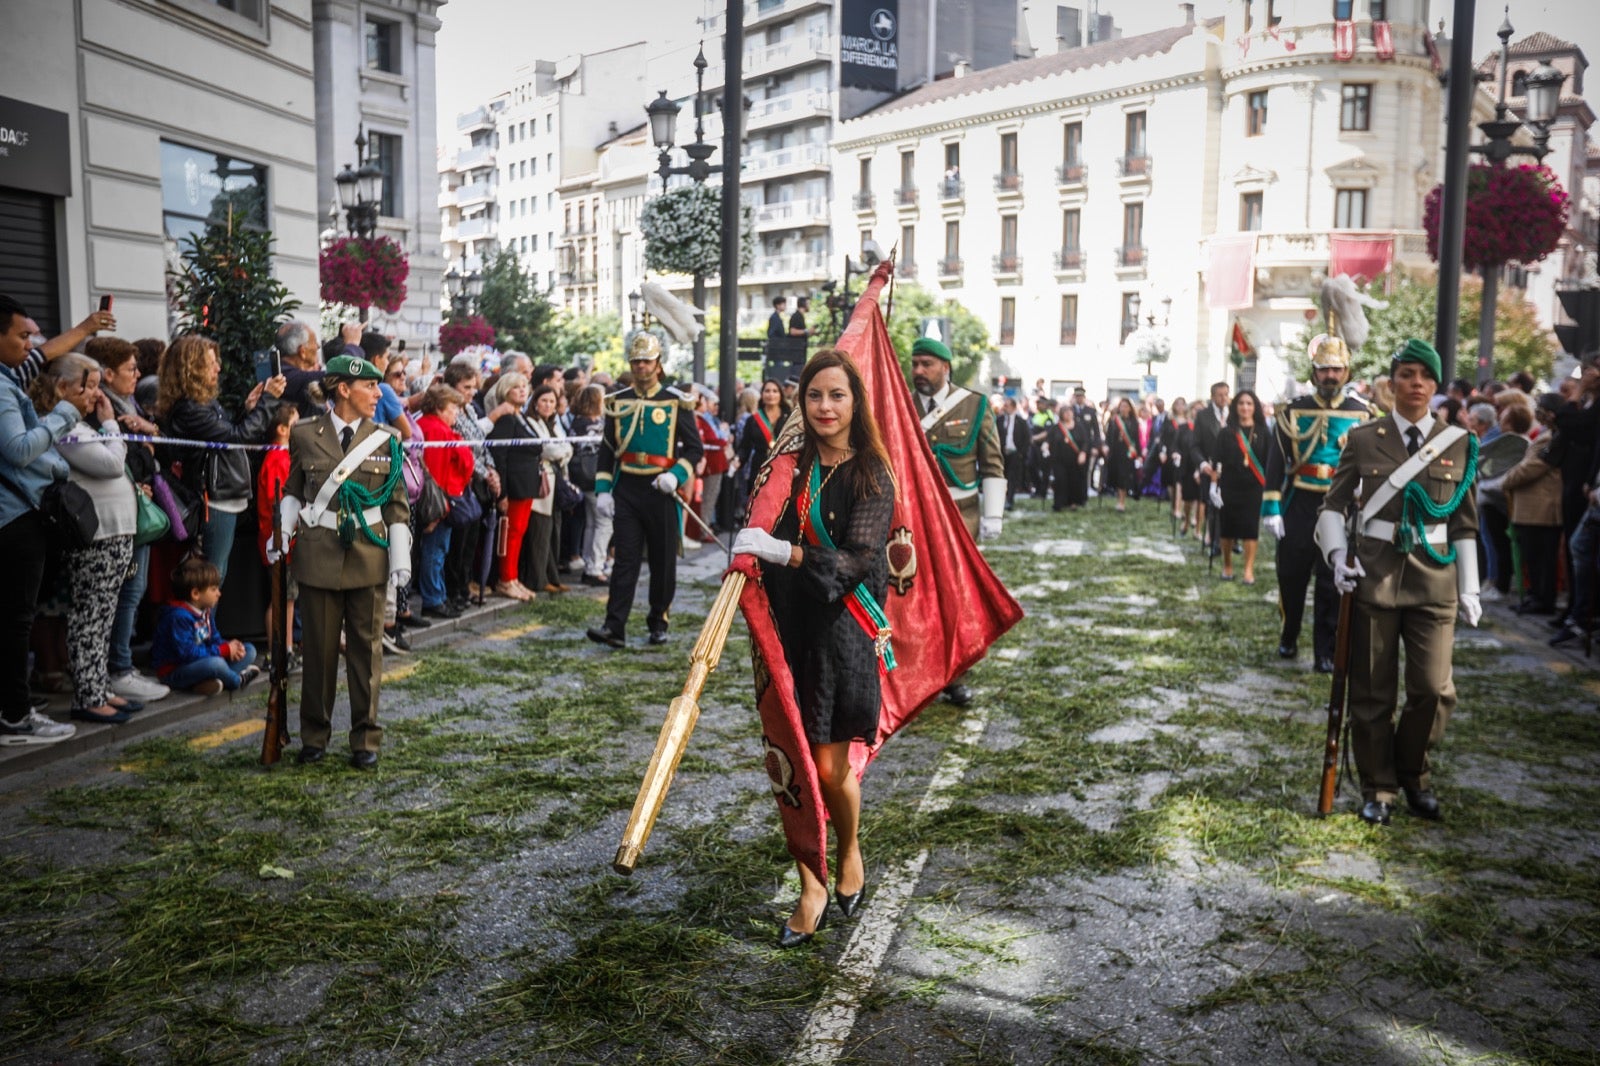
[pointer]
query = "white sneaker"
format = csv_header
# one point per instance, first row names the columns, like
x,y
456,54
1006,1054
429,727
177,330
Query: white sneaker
x,y
35,729
135,686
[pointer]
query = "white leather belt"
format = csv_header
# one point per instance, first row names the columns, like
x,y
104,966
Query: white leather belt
x,y
329,518
1378,529
960,494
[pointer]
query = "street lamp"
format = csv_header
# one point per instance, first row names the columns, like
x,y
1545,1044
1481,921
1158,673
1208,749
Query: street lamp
x,y
462,287
360,191
1542,99
663,115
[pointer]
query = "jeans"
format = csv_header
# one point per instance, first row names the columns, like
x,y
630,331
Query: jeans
x,y
120,658
430,577
23,545
193,673
216,537
1582,547
596,538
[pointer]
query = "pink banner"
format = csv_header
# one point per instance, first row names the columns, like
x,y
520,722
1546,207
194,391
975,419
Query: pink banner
x,y
1231,272
1364,258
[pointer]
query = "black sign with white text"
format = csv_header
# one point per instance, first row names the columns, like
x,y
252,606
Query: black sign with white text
x,y
869,44
34,153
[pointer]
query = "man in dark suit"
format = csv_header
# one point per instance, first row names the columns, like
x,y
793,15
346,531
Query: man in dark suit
x,y
346,496
1016,441
1208,422
777,329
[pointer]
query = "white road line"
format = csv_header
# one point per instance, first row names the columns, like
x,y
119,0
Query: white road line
x,y
834,1016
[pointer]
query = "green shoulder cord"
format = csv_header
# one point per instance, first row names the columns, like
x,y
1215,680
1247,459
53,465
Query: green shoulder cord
x,y
1419,508
943,452
355,499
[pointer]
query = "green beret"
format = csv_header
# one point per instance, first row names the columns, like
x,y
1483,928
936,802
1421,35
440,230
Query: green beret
x,y
350,366
1415,351
929,346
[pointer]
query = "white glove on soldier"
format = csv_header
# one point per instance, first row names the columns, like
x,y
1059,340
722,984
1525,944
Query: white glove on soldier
x,y
605,505
400,555
289,519
1468,608
1273,524
762,545
988,528
400,578
1344,577
666,484
1216,495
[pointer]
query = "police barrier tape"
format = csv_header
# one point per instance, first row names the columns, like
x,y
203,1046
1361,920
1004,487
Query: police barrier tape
x,y
223,446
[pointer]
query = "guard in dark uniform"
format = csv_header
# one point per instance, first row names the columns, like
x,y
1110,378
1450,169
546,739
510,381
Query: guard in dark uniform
x,y
648,452
1311,434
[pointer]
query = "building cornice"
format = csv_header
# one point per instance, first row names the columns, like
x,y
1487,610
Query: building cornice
x,y
1299,60
1041,107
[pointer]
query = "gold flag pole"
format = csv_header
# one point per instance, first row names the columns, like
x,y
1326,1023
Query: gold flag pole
x,y
682,715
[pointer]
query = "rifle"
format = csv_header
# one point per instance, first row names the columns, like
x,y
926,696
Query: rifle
x,y
276,735
1336,697
682,715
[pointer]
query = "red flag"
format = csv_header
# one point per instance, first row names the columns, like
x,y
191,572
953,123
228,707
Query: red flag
x,y
945,605
1241,347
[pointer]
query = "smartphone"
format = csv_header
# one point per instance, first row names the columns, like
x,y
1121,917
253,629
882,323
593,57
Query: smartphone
x,y
277,363
105,302
264,361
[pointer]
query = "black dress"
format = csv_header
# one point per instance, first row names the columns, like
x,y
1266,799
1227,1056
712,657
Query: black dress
x,y
1241,492
1071,476
1122,471
834,662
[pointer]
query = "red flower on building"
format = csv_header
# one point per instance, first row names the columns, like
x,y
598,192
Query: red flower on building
x,y
1514,215
364,273
459,334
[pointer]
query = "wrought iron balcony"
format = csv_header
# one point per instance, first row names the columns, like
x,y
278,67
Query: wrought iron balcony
x,y
862,200
905,195
1131,255
1068,174
1134,166
951,189
1008,181
1069,259
950,266
905,268
1007,263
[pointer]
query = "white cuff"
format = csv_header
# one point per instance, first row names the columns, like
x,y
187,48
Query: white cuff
x,y
994,497
1331,536
1466,567
400,547
289,518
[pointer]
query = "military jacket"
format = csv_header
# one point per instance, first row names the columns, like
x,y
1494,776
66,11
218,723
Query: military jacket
x,y
1311,438
321,559
647,436
967,444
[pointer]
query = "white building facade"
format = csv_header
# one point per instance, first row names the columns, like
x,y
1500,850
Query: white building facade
x,y
1086,188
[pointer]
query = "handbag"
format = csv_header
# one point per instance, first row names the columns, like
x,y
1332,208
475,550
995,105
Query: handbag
x,y
415,475
67,510
181,504
431,503
153,523
584,465
567,495
465,510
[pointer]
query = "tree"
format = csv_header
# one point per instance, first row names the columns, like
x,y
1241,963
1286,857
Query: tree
x,y
585,337
523,317
1520,342
969,337
226,291
682,230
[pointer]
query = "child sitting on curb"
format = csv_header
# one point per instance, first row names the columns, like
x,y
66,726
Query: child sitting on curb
x,y
188,652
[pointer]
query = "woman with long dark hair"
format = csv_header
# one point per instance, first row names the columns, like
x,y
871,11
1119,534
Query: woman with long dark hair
x,y
1125,456
1240,458
760,429
1177,438
825,567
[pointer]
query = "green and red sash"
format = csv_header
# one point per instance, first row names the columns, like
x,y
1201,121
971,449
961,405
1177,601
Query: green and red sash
x,y
861,603
766,427
1122,428
1251,463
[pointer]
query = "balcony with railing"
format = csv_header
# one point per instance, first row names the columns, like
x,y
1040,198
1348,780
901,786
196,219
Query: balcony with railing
x,y
950,266
1007,265
952,190
905,268
1071,175
481,155
1310,249
1008,183
475,192
1069,333
1134,166
477,118
863,200
906,196
790,107
798,159
1131,257
791,214
792,265
797,51
1069,260
473,228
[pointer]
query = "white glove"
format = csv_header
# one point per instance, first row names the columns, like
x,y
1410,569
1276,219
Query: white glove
x,y
1273,524
762,545
1216,495
400,578
1468,609
666,484
988,528
556,451
289,519
605,505
400,554
273,554
1344,577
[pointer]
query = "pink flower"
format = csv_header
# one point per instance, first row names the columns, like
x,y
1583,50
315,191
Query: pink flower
x,y
1514,214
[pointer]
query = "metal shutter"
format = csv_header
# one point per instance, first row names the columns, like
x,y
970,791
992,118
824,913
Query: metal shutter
x,y
28,267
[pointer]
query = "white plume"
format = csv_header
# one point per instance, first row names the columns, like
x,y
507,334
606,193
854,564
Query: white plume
x,y
676,316
1341,297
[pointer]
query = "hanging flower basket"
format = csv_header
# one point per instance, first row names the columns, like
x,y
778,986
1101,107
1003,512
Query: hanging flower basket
x,y
459,334
1514,215
683,231
364,273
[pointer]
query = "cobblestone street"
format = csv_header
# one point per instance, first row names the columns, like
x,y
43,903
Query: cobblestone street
x,y
1112,858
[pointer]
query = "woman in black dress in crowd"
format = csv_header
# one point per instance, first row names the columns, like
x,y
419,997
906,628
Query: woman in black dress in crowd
x,y
1123,461
1070,446
1240,458
1177,437
842,480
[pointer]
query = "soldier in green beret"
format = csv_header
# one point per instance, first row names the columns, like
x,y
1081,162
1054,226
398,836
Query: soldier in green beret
x,y
1404,485
346,497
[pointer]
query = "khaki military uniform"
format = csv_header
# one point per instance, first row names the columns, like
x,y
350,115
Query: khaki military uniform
x,y
342,588
966,445
1405,599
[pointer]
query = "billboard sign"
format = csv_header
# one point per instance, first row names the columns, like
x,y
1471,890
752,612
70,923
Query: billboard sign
x,y
869,45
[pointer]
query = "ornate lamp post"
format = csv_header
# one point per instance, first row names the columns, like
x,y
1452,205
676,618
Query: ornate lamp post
x,y
360,191
463,288
663,115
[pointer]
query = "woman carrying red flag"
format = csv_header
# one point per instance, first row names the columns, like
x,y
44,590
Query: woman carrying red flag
x,y
824,566
1240,457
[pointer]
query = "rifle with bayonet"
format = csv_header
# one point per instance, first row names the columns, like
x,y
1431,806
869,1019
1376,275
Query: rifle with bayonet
x,y
1339,691
276,736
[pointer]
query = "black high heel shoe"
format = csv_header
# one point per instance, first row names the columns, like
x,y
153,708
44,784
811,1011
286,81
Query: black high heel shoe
x,y
788,938
849,904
